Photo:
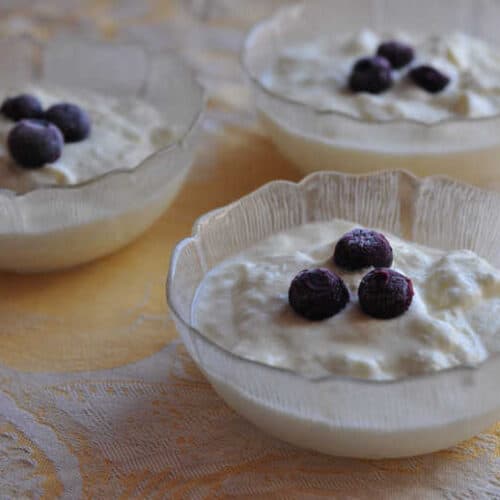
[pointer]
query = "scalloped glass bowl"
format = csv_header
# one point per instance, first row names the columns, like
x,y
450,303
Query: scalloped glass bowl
x,y
466,149
341,415
59,227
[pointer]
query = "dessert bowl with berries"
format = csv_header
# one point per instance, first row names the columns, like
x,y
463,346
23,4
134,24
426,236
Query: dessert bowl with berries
x,y
91,153
353,315
362,86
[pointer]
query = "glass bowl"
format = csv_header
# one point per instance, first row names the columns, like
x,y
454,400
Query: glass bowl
x,y
467,149
58,227
335,414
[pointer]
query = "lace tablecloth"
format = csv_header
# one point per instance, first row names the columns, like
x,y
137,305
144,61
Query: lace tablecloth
x,y
97,398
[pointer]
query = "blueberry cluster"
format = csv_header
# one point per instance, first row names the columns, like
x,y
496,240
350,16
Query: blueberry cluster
x,y
38,136
374,74
383,293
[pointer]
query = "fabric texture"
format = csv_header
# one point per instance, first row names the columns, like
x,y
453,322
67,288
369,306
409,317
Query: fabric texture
x,y
97,399
156,429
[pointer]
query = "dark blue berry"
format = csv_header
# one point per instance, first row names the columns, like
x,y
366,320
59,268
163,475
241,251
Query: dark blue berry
x,y
384,293
21,107
33,143
362,248
429,79
317,294
72,120
399,54
372,75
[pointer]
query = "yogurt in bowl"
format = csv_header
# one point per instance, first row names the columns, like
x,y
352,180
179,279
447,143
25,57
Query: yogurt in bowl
x,y
124,132
350,384
299,67
316,73
243,305
106,190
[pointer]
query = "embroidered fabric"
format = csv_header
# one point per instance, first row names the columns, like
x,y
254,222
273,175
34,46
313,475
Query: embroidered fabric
x,y
156,429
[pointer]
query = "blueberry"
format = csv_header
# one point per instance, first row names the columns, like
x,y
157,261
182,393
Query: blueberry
x,y
361,248
73,121
371,74
33,143
317,294
21,107
384,293
429,78
399,54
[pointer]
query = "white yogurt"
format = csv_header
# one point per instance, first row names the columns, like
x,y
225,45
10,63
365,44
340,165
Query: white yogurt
x,y
440,134
316,73
124,132
454,319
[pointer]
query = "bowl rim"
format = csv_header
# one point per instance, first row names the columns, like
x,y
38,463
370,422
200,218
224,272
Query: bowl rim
x,y
177,143
217,212
290,102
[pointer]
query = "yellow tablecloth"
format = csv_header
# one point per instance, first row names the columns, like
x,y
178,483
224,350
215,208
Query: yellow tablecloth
x,y
96,400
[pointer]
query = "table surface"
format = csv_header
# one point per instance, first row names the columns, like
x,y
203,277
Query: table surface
x,y
95,398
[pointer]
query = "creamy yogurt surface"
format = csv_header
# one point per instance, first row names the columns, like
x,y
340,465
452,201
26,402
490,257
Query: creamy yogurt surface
x,y
125,131
454,319
316,73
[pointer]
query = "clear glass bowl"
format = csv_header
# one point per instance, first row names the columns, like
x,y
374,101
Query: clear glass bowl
x,y
341,415
467,149
59,227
